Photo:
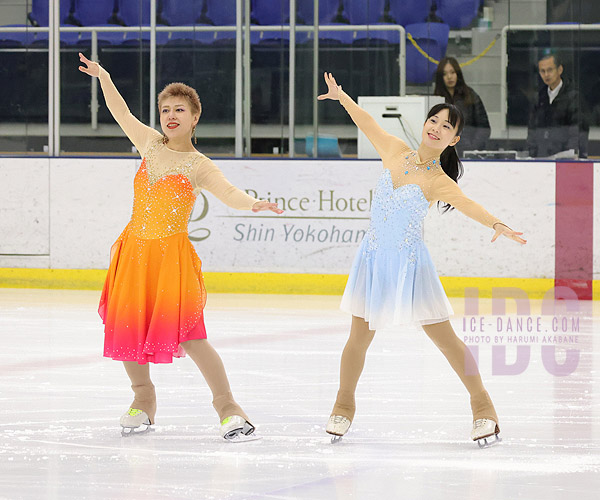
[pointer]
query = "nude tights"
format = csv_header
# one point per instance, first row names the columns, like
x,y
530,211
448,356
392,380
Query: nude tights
x,y
210,364
442,335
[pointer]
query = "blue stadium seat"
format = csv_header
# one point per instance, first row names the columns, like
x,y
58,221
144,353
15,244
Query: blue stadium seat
x,y
370,12
328,15
16,39
329,37
327,11
39,15
365,12
134,12
93,13
333,13
433,39
183,38
409,12
137,13
270,12
222,13
274,13
457,13
183,12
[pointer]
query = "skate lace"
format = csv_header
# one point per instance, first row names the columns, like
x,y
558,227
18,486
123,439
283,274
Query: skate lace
x,y
338,419
480,423
133,412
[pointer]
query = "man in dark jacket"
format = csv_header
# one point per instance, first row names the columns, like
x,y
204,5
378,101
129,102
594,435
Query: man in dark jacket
x,y
555,121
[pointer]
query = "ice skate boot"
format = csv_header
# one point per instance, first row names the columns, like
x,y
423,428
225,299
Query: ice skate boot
x,y
135,421
337,426
237,429
139,418
485,432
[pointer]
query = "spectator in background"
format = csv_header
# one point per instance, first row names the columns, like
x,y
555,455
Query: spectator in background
x,y
556,122
450,84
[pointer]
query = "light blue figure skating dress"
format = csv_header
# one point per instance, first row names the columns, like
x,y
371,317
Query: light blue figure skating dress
x,y
393,280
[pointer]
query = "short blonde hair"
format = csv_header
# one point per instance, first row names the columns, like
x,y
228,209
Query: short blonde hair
x,y
178,89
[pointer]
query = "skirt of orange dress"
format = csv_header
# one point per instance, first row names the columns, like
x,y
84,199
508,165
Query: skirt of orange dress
x,y
153,298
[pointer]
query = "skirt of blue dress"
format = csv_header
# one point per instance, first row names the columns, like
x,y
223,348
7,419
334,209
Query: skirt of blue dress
x,y
395,287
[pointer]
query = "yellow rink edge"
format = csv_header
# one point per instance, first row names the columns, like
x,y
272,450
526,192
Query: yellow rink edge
x,y
276,283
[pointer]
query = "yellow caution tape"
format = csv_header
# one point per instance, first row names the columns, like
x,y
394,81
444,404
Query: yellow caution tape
x,y
435,61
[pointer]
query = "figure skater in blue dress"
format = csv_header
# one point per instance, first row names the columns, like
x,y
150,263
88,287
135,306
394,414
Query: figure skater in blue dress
x,y
393,280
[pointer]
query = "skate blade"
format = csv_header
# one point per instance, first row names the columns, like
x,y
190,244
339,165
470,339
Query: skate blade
x,y
335,438
489,441
242,434
145,428
242,438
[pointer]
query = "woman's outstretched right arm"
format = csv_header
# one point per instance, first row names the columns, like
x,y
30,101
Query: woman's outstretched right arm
x,y
138,133
386,144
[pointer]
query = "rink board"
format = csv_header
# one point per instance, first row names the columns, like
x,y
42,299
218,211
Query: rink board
x,y
76,208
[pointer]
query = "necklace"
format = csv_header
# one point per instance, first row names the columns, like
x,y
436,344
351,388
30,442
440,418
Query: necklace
x,y
411,163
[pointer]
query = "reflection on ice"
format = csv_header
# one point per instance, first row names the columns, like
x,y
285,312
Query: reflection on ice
x,y
61,403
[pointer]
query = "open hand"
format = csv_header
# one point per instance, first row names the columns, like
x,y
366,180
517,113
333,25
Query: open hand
x,y
92,69
332,88
262,205
503,230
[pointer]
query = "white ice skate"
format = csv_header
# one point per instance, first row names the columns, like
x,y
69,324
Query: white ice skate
x,y
237,429
337,426
484,428
135,422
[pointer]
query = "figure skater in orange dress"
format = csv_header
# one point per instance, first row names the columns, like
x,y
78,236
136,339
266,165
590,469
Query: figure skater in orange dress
x,y
153,298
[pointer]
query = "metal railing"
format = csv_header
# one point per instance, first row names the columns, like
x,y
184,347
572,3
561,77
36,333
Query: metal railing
x,y
242,65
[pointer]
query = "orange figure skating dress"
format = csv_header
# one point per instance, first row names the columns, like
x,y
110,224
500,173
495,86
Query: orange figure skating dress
x,y
154,296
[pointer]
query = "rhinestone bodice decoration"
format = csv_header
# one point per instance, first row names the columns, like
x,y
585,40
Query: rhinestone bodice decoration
x,y
168,180
161,208
161,161
397,216
410,165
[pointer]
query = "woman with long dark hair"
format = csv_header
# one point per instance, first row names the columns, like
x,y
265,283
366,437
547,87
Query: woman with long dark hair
x,y
450,84
393,280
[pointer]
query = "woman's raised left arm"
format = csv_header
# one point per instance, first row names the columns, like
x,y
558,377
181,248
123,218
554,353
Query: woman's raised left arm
x,y
446,190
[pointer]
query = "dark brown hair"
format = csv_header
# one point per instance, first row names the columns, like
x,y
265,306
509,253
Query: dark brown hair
x,y
461,89
449,159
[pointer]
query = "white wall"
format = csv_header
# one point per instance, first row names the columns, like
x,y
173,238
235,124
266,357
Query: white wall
x,y
90,201
522,195
66,212
24,206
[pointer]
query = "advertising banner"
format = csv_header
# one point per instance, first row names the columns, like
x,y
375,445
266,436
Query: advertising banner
x,y
326,213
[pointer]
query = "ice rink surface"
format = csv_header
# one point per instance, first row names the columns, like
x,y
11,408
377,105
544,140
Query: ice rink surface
x,y
61,402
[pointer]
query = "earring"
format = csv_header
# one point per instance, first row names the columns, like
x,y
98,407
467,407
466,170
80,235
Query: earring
x,y
194,135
